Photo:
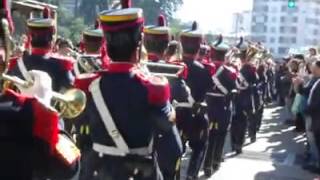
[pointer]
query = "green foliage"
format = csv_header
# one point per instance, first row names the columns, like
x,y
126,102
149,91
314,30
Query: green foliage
x,y
76,27
152,8
19,23
89,9
69,26
177,26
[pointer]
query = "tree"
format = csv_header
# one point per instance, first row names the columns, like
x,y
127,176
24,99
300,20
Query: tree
x,y
68,26
89,9
152,8
177,26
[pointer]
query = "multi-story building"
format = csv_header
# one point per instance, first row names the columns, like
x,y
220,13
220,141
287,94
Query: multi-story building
x,y
281,27
241,24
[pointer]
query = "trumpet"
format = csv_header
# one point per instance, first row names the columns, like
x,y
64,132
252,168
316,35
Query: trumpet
x,y
163,69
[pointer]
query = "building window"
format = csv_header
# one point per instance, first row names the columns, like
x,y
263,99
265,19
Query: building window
x,y
259,28
264,8
272,40
285,8
262,39
285,19
271,50
273,29
287,29
312,21
287,40
282,50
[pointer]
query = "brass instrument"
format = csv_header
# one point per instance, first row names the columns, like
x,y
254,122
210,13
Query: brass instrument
x,y
72,103
89,63
163,69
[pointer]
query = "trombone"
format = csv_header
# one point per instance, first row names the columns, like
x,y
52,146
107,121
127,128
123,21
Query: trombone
x,y
71,104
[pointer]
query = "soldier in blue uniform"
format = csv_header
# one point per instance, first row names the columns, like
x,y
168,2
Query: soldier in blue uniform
x,y
199,80
168,149
219,101
218,51
41,31
92,45
126,107
29,128
245,102
92,49
263,90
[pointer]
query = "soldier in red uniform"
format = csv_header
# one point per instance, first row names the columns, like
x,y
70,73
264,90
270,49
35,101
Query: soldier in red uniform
x,y
31,146
219,100
41,33
93,51
199,80
156,41
245,103
218,51
125,106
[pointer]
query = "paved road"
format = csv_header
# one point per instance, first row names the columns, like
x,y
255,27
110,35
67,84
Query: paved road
x,y
277,154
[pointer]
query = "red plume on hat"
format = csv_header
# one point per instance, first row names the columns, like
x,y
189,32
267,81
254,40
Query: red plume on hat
x,y
161,20
194,26
46,12
126,4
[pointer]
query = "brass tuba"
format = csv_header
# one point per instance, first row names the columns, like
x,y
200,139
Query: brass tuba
x,y
71,104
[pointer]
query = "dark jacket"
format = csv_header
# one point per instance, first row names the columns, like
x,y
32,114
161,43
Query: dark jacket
x,y
313,105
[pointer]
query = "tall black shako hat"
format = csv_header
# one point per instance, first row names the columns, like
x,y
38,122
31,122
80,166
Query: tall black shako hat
x,y
123,30
157,37
41,30
219,49
93,38
191,39
122,19
243,46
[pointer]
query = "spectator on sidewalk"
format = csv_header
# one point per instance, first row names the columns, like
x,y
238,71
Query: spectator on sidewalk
x,y
303,84
312,108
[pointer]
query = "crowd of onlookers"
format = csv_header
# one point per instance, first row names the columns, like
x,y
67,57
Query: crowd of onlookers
x,y
297,81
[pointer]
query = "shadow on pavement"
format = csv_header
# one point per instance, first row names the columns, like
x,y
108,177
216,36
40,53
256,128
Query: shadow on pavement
x,y
284,173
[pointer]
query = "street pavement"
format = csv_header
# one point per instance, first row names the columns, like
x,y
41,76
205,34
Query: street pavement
x,y
277,154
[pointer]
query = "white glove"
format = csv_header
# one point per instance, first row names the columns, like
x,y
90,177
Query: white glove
x,y
41,87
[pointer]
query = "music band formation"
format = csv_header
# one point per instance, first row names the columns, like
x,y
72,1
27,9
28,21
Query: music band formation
x,y
130,103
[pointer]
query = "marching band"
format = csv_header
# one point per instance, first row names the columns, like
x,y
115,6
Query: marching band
x,y
124,117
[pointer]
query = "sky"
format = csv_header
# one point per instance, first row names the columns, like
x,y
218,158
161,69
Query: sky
x,y
214,15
